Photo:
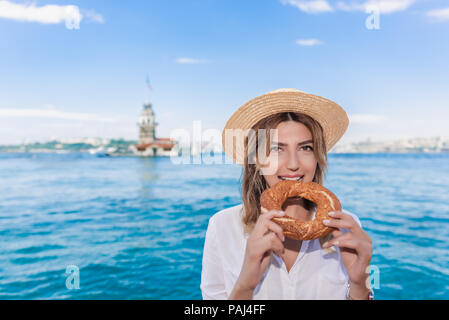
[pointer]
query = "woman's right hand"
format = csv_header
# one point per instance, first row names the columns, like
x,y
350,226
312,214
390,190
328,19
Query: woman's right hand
x,y
266,237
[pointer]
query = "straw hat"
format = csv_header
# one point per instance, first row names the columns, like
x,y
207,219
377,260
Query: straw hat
x,y
328,114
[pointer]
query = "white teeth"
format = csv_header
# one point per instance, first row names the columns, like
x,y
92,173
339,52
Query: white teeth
x,y
293,179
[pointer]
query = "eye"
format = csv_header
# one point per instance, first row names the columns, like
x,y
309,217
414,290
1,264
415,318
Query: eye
x,y
309,148
275,148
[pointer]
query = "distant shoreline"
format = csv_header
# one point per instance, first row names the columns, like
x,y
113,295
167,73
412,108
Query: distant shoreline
x,y
203,154
118,147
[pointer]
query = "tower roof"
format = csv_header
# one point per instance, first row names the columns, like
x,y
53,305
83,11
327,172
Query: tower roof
x,y
148,108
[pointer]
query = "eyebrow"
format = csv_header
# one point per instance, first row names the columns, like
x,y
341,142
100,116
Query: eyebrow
x,y
299,144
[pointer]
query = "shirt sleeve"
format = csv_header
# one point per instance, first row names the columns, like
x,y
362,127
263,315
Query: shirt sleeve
x,y
212,277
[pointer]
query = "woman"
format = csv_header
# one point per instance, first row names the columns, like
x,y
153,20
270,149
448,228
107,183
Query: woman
x,y
246,255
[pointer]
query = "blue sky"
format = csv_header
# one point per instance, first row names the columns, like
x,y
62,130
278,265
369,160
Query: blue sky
x,y
78,68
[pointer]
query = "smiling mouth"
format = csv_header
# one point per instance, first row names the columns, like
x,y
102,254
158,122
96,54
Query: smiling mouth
x,y
291,179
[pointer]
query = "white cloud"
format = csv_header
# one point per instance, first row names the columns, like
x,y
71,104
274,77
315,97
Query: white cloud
x,y
93,16
184,60
382,6
366,119
309,6
439,15
319,6
309,42
51,112
47,14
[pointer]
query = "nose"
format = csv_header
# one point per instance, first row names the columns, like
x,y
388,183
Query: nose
x,y
293,162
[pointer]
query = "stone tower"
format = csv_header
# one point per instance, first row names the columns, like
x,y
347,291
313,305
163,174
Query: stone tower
x,y
147,125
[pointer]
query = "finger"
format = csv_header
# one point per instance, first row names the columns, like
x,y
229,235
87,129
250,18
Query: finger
x,y
346,240
277,229
340,215
268,246
271,214
340,224
336,214
336,233
260,228
271,242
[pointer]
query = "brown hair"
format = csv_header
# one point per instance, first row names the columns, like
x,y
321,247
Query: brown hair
x,y
253,183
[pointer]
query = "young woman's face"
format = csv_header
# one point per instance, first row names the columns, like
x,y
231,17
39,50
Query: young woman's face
x,y
294,152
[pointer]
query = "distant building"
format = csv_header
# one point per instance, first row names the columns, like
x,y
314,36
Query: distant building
x,y
148,144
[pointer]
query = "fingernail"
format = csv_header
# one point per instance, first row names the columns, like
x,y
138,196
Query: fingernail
x,y
332,213
336,243
326,221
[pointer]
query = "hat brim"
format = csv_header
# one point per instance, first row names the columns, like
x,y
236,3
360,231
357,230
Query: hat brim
x,y
332,118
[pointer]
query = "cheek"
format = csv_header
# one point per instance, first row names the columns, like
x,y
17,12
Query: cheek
x,y
272,167
311,171
311,165
308,161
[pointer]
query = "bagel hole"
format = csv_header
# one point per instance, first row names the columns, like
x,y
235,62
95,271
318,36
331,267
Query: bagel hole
x,y
305,203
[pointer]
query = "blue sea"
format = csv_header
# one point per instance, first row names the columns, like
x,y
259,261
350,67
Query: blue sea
x,y
81,226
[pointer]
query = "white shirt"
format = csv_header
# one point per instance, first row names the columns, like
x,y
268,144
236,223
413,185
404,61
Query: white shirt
x,y
316,274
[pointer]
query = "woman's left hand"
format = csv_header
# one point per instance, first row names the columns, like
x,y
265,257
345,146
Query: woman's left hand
x,y
355,246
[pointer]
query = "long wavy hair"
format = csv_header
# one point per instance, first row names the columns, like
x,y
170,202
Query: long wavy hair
x,y
253,183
